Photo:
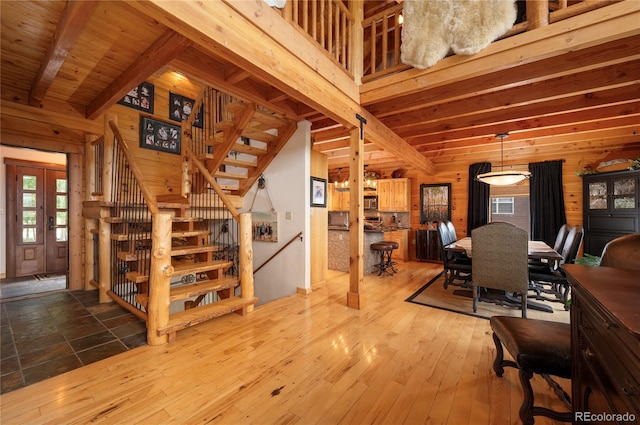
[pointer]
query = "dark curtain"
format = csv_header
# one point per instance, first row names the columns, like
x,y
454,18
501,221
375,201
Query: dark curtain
x,y
478,208
546,200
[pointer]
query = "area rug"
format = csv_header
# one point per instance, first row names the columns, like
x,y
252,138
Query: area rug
x,y
458,300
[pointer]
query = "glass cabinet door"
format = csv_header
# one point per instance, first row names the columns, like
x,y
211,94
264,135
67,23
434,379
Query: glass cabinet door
x,y
624,194
598,195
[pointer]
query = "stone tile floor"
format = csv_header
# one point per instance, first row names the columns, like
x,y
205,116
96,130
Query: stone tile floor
x,y
50,334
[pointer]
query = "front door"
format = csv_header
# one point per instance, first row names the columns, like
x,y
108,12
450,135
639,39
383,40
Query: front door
x,y
37,218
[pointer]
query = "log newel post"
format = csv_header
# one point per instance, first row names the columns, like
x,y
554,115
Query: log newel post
x,y
159,278
246,258
107,169
356,296
90,224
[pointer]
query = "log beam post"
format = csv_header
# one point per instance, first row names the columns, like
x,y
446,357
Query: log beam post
x,y
159,279
356,296
247,289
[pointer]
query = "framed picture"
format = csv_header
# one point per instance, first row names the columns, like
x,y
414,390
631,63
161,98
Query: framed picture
x,y
180,108
318,192
159,135
140,98
265,226
435,204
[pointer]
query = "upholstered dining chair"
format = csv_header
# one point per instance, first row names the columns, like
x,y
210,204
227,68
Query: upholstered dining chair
x,y
500,261
622,252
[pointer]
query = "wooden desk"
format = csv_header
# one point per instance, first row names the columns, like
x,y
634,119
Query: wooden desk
x,y
605,340
537,250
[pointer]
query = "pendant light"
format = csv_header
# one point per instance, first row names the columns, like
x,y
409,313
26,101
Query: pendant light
x,y
502,177
341,186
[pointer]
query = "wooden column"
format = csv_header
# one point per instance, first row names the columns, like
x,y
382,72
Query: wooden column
x,y
537,13
246,259
76,222
356,7
104,256
355,296
107,171
90,224
159,279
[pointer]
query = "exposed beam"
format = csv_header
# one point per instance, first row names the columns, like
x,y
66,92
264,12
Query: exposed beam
x,y
72,23
165,48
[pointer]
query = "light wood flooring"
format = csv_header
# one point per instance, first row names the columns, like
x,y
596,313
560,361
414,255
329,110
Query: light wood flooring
x,y
299,360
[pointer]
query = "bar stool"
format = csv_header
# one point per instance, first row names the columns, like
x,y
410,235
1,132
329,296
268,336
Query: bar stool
x,y
385,248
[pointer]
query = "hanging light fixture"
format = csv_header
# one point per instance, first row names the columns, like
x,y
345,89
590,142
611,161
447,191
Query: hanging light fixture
x,y
370,179
341,186
502,177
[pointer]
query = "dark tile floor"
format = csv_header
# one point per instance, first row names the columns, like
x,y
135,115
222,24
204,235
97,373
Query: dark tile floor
x,y
47,335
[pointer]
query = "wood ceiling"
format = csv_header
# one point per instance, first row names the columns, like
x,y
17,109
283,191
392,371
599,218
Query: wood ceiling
x,y
552,89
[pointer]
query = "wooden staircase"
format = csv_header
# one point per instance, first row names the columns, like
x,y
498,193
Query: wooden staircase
x,y
241,145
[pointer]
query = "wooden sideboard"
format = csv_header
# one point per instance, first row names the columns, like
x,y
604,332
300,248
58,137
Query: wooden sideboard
x,y
605,341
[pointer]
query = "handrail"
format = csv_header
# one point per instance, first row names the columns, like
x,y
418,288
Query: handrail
x,y
146,193
214,185
299,235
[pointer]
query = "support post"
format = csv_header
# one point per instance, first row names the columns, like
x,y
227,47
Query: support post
x,y
356,7
104,256
107,170
356,296
537,13
247,289
159,278
90,224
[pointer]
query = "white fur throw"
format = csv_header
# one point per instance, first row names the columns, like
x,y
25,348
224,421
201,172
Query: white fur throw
x,y
432,27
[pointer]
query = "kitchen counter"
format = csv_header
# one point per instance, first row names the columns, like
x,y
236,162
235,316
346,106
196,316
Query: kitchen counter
x,y
338,246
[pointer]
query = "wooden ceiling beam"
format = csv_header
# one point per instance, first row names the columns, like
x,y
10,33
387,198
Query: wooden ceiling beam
x,y
71,24
165,48
573,105
582,84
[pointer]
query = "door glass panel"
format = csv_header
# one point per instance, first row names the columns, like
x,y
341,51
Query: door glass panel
x,y
61,185
28,200
61,234
624,194
598,196
29,218
61,202
29,182
61,218
28,235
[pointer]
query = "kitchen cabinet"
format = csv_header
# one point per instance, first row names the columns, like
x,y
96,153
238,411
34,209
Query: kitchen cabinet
x,y
394,195
402,238
428,246
338,201
611,208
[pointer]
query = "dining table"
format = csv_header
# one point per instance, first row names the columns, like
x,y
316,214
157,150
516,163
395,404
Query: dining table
x,y
536,250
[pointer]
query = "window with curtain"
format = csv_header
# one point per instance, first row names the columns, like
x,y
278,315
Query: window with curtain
x,y
546,196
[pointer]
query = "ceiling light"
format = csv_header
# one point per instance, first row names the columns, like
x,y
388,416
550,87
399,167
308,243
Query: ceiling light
x,y
502,177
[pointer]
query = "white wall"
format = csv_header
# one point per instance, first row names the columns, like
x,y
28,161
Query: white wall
x,y
26,155
287,182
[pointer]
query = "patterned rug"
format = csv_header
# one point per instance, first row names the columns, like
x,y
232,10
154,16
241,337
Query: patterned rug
x,y
459,300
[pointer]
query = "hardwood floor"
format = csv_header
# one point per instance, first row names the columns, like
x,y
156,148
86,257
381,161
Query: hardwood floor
x,y
301,359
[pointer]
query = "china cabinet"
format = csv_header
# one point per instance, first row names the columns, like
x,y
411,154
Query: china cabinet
x,y
611,207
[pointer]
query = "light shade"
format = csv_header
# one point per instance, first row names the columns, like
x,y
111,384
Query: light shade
x,y
503,178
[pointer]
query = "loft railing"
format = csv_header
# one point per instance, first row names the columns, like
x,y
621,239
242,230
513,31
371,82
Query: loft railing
x,y
383,31
212,112
327,22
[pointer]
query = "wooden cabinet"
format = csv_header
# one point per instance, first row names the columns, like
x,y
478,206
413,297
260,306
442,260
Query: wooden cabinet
x,y
402,238
611,207
338,201
428,246
394,195
605,343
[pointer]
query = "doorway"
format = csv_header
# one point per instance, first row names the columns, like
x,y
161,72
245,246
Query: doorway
x,y
37,219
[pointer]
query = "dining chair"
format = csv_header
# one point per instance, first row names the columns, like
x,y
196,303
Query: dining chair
x,y
552,279
457,268
622,252
452,231
500,262
561,236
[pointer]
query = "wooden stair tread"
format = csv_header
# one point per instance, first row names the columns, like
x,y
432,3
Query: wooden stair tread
x,y
239,163
133,256
136,277
182,292
205,266
191,249
130,236
189,233
233,176
251,150
259,135
194,316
